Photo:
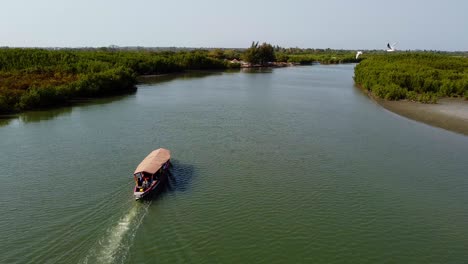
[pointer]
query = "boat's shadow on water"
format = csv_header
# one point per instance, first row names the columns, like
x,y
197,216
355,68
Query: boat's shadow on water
x,y
179,179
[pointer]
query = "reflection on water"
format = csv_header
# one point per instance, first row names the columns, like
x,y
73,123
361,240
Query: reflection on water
x,y
48,114
4,121
103,100
42,115
257,70
154,79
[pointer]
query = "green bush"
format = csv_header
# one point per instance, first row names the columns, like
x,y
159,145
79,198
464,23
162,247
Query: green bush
x,y
41,97
281,57
428,98
9,99
412,96
395,92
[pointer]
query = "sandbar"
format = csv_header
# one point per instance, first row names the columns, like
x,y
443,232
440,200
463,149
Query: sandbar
x,y
447,113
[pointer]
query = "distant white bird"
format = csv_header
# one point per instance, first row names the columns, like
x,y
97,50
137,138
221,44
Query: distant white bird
x,y
357,54
391,48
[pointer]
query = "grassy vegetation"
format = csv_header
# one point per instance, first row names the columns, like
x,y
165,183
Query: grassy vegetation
x,y
39,78
309,56
420,77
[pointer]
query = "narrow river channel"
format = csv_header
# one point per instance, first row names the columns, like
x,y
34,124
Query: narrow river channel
x,y
290,165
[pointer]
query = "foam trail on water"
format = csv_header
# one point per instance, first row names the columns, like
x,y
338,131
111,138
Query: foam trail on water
x,y
114,241
114,247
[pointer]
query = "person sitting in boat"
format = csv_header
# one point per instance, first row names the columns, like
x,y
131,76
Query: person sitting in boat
x,y
139,181
145,183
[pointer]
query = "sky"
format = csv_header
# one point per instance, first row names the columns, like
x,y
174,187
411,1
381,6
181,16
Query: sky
x,y
336,24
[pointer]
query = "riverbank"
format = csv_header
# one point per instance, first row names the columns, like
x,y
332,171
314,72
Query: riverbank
x,y
33,79
449,113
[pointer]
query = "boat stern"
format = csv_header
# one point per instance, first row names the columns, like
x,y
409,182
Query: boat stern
x,y
138,193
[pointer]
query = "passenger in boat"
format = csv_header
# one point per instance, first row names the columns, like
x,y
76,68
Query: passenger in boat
x,y
139,181
145,183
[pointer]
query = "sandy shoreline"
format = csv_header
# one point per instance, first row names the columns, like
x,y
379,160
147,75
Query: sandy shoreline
x,y
448,113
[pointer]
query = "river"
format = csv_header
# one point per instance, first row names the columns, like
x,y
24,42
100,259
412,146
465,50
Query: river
x,y
284,165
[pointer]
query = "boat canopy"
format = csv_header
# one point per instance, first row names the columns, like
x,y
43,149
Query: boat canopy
x,y
154,161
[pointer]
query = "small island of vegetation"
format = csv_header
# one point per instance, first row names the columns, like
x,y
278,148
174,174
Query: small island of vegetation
x,y
422,77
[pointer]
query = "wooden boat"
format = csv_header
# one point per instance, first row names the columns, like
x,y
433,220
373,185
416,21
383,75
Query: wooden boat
x,y
152,173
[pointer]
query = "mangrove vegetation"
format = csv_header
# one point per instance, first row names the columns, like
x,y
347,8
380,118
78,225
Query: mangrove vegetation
x,y
422,77
40,78
309,56
260,55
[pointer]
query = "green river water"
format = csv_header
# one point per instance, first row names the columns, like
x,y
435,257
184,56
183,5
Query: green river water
x,y
291,165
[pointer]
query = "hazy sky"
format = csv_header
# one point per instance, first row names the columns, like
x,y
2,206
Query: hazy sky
x,y
358,24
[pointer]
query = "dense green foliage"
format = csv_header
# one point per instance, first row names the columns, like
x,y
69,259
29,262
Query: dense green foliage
x,y
260,55
265,53
322,58
309,56
225,54
415,76
36,78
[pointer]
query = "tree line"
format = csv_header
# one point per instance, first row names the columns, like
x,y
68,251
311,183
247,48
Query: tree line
x,y
423,77
38,78
266,53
